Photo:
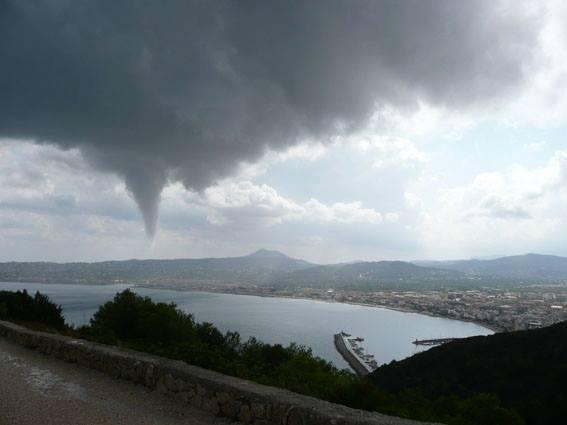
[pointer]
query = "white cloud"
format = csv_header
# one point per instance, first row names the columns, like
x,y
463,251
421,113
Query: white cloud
x,y
244,201
499,207
535,147
307,151
392,217
518,209
341,212
412,200
424,120
45,179
53,206
388,151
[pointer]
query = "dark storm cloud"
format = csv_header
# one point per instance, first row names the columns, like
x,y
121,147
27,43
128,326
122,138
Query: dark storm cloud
x,y
184,90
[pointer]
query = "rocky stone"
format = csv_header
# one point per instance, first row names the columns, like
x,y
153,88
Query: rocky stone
x,y
230,409
149,378
185,396
271,411
170,383
212,405
201,390
245,415
139,372
258,410
180,385
294,418
196,401
223,397
160,385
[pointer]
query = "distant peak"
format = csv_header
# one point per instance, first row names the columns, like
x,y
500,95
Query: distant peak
x,y
266,253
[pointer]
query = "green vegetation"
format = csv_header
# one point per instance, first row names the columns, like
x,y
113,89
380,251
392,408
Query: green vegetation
x,y
506,379
527,369
480,409
137,322
37,311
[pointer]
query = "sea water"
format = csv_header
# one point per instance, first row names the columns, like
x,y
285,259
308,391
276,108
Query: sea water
x,y
388,334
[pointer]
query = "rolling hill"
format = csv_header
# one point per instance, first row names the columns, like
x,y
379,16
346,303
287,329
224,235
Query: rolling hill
x,y
519,267
275,269
375,274
259,267
526,370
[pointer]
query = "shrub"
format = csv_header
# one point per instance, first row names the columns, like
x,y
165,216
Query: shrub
x,y
159,328
20,306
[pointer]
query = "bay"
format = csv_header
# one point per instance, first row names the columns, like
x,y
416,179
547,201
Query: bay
x,y
388,333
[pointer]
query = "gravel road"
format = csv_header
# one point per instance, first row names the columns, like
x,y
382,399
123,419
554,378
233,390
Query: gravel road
x,y
39,390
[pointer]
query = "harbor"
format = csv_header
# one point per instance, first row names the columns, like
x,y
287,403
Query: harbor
x,y
352,351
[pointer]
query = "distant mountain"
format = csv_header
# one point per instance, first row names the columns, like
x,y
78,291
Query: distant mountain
x,y
526,370
273,268
269,254
259,267
518,267
374,274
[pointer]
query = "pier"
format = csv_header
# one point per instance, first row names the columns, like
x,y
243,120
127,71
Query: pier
x,y
437,341
353,354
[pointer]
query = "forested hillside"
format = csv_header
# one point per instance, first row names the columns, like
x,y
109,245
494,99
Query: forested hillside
x,y
526,370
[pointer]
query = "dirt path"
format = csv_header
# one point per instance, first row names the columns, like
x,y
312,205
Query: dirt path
x,y
39,390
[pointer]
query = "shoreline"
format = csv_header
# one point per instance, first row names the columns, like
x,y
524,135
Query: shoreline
x,y
492,327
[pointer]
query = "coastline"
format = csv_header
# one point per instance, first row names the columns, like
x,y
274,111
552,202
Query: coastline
x,y
492,327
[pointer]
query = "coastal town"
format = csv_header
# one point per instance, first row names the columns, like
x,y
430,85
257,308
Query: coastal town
x,y
496,308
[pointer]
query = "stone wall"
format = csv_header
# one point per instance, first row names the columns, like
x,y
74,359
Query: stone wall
x,y
222,395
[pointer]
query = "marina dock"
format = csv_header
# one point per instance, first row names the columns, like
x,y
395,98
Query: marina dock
x,y
437,341
350,348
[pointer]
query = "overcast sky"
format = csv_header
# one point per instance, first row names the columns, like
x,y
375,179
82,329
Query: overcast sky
x,y
329,130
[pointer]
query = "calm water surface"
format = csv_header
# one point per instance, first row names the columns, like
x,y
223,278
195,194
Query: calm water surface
x,y
388,334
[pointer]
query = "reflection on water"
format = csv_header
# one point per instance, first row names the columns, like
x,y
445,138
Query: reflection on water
x,y
388,334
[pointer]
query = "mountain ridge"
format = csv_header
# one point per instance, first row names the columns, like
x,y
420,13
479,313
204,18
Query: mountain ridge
x,y
255,268
366,273
526,266
273,268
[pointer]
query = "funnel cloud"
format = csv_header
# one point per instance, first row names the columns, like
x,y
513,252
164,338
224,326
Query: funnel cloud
x,y
187,90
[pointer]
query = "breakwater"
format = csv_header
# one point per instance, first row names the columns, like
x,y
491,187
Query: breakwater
x,y
353,359
221,395
438,341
